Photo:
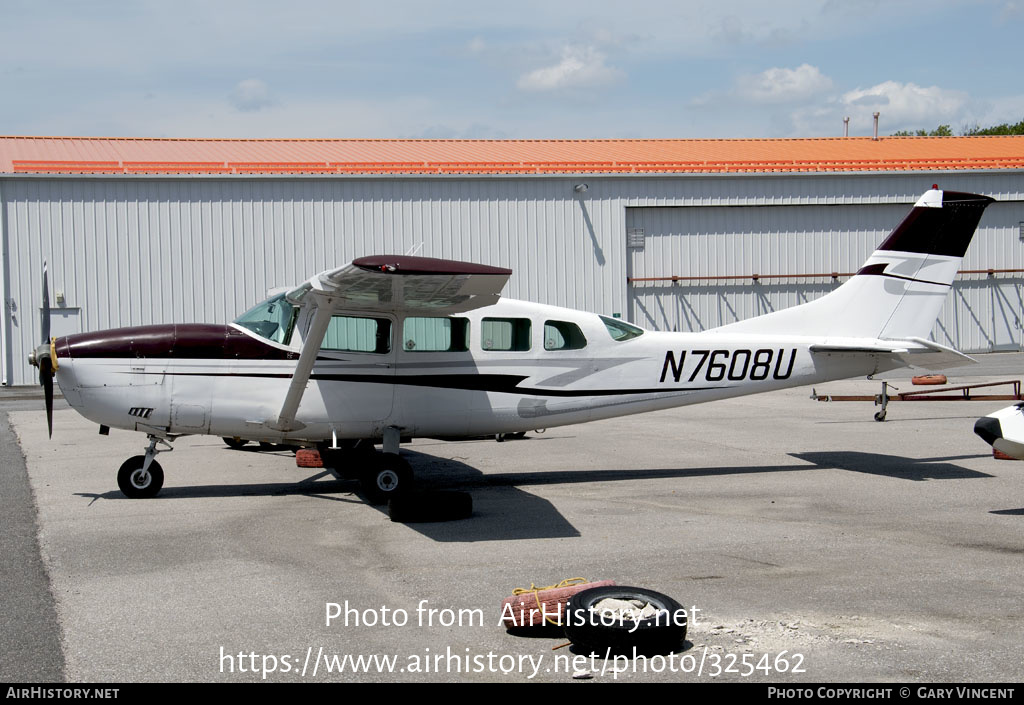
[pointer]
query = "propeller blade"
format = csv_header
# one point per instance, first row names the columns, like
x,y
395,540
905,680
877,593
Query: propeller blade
x,y
45,323
46,379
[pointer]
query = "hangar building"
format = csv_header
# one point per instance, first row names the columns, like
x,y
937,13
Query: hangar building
x,y
668,234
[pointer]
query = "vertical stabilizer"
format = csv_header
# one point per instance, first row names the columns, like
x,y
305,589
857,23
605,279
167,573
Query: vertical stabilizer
x,y
899,291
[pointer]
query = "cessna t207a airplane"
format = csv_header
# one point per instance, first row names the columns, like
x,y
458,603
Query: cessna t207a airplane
x,y
390,347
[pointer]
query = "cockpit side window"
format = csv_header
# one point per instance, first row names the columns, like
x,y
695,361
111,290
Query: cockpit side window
x,y
563,335
619,330
420,334
505,334
354,334
273,319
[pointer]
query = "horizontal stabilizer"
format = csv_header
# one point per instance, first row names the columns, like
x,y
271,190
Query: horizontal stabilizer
x,y
935,356
910,352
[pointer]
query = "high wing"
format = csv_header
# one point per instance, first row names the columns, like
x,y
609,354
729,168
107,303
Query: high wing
x,y
396,283
385,284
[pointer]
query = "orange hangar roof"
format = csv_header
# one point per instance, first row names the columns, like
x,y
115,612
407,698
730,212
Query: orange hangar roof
x,y
99,155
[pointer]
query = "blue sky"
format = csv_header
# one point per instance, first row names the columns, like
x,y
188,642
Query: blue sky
x,y
554,69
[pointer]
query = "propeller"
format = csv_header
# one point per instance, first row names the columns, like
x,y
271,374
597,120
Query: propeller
x,y
45,314
44,356
46,379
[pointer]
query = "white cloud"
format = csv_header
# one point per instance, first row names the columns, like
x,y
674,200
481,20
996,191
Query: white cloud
x,y
904,105
250,95
580,67
996,111
781,85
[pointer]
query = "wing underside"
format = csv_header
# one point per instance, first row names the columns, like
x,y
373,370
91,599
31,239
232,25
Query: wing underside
x,y
395,283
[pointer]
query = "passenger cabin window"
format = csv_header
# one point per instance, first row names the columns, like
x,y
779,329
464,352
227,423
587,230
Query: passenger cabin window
x,y
562,335
435,334
505,334
272,319
352,334
619,330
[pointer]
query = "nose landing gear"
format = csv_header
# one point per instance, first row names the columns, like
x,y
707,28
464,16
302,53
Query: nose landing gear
x,y
141,477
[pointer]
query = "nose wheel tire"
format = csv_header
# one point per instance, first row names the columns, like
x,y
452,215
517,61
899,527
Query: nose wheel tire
x,y
390,476
137,484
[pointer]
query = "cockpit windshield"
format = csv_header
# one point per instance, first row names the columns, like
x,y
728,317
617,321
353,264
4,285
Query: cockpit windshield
x,y
620,330
272,319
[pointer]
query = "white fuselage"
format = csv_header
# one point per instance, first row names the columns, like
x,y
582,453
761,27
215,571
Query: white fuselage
x,y
476,391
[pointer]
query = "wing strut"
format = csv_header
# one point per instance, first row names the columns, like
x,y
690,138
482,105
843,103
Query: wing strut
x,y
395,284
310,348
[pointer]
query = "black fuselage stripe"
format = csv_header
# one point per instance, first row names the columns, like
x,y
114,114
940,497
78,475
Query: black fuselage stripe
x,y
878,270
907,279
507,384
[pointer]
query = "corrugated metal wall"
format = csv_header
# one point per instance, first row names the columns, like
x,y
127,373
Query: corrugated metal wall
x,y
140,250
982,313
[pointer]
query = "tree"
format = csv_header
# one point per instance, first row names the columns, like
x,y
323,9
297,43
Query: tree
x,y
940,131
966,131
1004,129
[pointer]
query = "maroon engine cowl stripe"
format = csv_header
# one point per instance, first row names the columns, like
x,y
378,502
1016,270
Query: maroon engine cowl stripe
x,y
184,341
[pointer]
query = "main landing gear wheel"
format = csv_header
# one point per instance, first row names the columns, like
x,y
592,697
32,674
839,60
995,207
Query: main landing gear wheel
x,y
136,483
234,443
388,477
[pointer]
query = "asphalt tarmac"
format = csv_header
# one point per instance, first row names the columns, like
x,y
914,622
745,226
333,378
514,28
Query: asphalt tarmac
x,y
809,542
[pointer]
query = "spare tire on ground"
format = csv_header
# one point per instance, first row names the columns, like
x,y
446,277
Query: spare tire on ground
x,y
543,606
662,632
419,507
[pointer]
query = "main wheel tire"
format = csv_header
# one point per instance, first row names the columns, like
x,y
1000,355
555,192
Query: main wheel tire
x,y
234,443
388,476
136,484
663,633
350,459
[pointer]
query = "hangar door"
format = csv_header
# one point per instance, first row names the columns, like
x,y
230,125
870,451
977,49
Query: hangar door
x,y
714,253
